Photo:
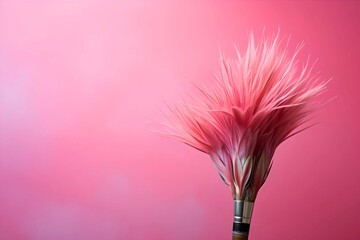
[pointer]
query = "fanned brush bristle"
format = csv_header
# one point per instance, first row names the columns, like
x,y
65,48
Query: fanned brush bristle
x,y
256,102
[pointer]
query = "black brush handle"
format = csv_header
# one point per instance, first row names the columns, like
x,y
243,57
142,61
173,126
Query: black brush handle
x,y
240,231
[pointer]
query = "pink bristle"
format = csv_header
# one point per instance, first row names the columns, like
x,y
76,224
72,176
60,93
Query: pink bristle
x,y
255,103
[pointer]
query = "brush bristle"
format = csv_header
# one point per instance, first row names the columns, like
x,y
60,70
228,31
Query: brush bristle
x,y
256,102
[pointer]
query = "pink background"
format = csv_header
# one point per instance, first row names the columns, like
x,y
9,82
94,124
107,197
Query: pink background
x,y
80,79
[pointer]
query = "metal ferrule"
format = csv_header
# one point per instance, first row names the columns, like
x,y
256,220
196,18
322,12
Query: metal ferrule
x,y
242,217
243,211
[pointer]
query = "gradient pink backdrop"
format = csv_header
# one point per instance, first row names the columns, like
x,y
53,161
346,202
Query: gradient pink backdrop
x,y
80,79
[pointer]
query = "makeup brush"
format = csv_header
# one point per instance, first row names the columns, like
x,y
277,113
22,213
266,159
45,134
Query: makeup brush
x,y
257,101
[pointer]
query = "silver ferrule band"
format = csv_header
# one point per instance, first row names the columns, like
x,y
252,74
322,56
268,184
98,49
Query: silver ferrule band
x,y
243,211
